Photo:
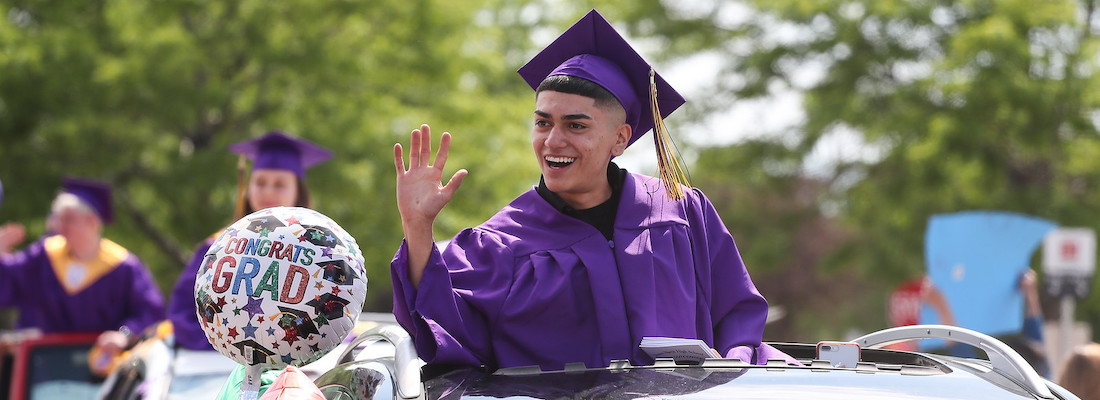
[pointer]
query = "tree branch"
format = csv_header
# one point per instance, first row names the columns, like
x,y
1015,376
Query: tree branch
x,y
169,246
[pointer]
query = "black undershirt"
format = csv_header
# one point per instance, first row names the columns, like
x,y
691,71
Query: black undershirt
x,y
602,216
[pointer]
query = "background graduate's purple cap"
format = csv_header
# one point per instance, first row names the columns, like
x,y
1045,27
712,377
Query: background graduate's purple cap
x,y
95,194
277,150
591,49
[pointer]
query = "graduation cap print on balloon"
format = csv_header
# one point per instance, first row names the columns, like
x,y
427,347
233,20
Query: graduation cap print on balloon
x,y
206,307
295,324
329,306
338,272
271,298
262,223
254,351
320,236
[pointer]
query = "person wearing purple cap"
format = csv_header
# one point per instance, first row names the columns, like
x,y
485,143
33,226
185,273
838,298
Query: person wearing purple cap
x,y
594,258
76,280
279,162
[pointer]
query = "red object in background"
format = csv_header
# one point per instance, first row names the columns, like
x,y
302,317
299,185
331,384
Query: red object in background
x,y
22,372
903,309
904,305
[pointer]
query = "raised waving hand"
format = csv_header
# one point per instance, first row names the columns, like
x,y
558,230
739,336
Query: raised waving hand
x,y
421,195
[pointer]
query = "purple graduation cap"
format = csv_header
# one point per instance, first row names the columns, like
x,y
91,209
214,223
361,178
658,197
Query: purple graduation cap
x,y
277,150
95,194
591,49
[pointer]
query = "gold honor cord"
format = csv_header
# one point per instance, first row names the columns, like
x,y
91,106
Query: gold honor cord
x,y
672,171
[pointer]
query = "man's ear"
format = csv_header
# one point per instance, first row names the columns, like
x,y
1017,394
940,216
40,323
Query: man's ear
x,y
622,138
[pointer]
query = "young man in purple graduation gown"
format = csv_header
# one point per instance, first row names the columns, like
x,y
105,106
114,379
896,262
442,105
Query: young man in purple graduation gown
x,y
77,280
582,266
279,163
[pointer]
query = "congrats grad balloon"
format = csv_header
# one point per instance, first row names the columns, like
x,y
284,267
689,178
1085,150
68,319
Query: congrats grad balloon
x,y
282,286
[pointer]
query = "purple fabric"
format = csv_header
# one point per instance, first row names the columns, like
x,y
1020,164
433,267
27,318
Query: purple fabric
x,y
277,150
126,296
609,76
610,63
95,194
181,306
532,286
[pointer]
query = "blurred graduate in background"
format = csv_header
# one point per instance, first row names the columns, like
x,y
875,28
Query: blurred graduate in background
x,y
279,162
76,280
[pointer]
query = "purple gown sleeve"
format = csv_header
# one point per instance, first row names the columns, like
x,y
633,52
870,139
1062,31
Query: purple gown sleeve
x,y
737,308
145,303
181,306
447,316
14,269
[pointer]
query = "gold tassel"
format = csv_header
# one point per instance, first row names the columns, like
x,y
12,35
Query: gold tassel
x,y
242,185
668,164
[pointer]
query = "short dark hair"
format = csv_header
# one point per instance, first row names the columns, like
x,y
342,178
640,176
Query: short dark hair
x,y
580,86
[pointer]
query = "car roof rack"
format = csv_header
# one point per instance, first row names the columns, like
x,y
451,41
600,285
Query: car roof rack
x,y
1005,361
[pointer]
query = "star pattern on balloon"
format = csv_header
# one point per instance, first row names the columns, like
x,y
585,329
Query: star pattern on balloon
x,y
250,330
290,338
253,306
321,320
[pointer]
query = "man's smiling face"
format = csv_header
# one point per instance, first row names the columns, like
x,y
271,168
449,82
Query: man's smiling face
x,y
574,140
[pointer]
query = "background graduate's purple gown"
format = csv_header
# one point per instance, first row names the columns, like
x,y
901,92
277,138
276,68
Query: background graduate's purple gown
x,y
532,286
124,295
181,306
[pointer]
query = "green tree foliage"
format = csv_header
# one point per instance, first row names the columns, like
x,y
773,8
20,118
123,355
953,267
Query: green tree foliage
x,y
147,95
974,104
978,105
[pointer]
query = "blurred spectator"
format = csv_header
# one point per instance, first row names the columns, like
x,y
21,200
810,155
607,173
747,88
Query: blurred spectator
x,y
1080,372
1032,346
77,280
